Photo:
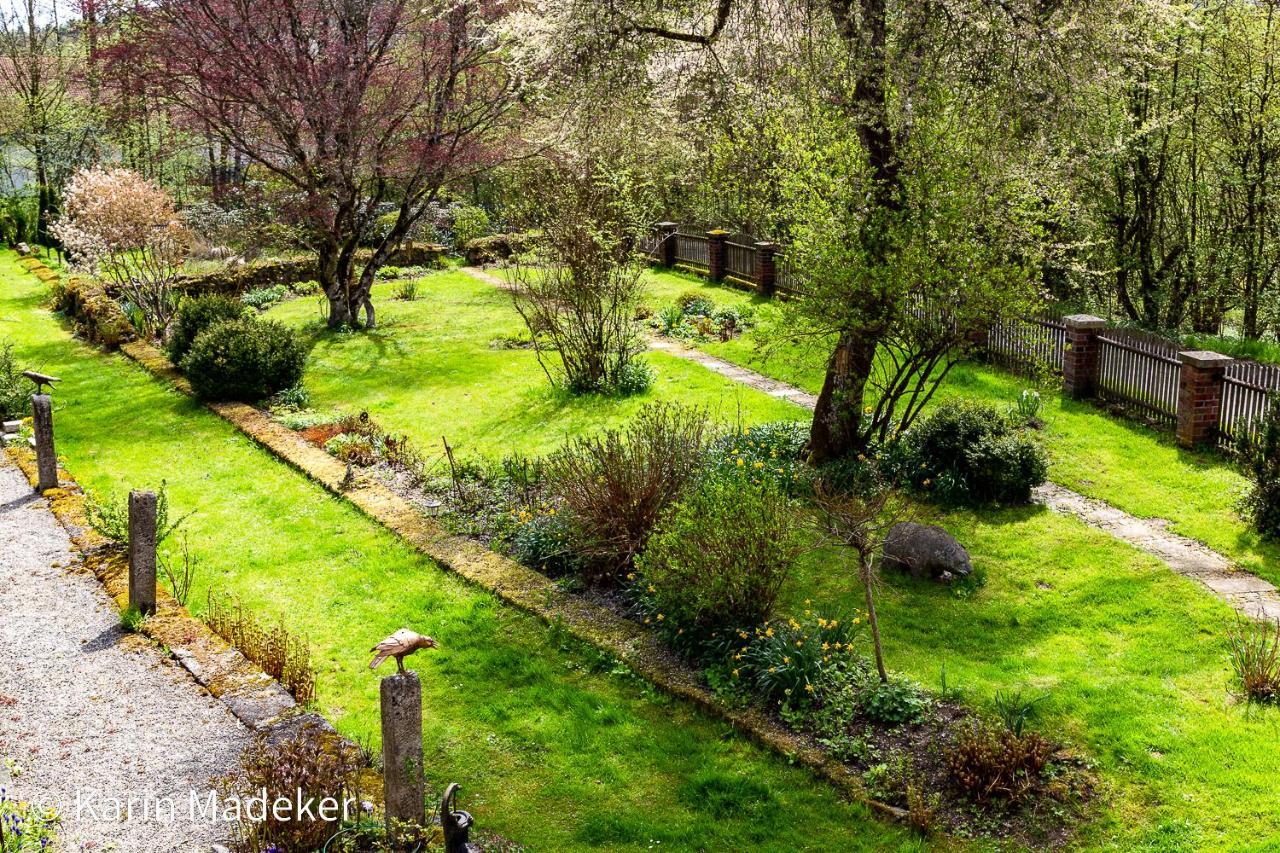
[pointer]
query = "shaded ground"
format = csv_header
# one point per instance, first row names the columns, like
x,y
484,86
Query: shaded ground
x,y
89,713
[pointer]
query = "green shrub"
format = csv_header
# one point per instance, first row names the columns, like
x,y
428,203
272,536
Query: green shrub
x,y
892,702
616,485
543,540
695,304
720,558
970,454
195,314
388,272
769,451
470,222
264,297
1261,459
15,390
634,378
244,360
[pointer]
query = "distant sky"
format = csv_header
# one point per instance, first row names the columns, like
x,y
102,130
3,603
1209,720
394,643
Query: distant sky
x,y
45,9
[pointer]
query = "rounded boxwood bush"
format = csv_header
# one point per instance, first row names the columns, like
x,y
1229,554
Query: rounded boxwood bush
x,y
195,314
972,454
245,360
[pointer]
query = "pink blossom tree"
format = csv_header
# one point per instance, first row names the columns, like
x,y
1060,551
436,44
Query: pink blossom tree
x,y
120,226
353,105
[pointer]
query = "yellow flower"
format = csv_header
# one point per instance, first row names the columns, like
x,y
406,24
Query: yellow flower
x,y
826,658
742,634
651,589
735,673
787,691
773,669
631,576
738,656
826,647
758,465
739,463
808,688
786,659
799,644
768,632
661,617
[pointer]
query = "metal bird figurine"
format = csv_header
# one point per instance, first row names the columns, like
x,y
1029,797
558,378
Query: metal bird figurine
x,y
41,380
398,645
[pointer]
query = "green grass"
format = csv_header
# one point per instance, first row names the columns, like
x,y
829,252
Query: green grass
x,y
1134,467
550,747
432,369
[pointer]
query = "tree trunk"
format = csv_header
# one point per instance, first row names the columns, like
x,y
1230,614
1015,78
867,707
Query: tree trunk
x,y
836,431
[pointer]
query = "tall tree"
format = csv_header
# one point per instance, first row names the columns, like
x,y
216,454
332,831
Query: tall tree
x,y
351,104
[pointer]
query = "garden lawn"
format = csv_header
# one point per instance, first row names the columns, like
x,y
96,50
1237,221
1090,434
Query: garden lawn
x,y
1134,467
552,746
437,366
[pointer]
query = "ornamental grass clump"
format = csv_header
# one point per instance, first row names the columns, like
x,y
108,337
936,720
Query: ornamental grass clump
x,y
1254,648
719,559
615,486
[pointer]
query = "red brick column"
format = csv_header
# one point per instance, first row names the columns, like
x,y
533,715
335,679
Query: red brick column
x,y
715,254
667,248
766,268
1200,396
1080,358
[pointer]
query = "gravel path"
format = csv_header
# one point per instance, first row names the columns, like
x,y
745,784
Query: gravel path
x,y
87,709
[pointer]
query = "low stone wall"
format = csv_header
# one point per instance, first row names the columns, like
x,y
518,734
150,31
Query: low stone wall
x,y
235,281
96,315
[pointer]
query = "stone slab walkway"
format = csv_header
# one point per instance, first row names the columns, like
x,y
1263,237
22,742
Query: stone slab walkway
x,y
87,709
1247,593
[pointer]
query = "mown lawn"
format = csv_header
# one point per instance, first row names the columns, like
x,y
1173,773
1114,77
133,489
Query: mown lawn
x,y
1132,466
1132,656
436,367
552,747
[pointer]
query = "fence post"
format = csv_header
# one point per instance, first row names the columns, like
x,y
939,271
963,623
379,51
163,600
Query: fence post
x,y
402,770
1080,356
667,246
46,459
766,268
1200,396
715,254
142,552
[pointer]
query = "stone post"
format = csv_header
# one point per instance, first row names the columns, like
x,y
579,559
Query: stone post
x,y
46,459
142,551
715,254
667,248
1080,358
1200,396
766,268
402,771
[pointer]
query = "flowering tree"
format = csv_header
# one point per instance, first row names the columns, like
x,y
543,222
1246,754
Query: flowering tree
x,y
351,104
117,224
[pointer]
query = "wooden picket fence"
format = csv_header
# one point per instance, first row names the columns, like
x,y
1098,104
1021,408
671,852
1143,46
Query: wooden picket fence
x,y
1139,373
1247,390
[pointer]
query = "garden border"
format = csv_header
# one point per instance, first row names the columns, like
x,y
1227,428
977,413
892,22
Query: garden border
x,y
641,650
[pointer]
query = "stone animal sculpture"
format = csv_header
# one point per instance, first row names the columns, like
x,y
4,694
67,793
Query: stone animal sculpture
x,y
398,645
925,551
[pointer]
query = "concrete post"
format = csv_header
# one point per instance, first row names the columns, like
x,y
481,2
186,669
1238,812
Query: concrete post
x,y
667,248
715,254
402,771
46,458
1200,396
766,268
1080,358
142,551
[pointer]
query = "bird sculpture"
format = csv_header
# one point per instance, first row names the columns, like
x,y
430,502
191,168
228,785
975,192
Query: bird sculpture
x,y
41,380
398,645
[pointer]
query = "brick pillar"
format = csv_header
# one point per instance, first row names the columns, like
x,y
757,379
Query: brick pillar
x,y
667,248
1200,396
766,268
1080,358
715,254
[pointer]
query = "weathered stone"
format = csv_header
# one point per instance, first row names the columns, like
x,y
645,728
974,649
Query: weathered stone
x,y
925,551
142,551
46,458
9,427
402,769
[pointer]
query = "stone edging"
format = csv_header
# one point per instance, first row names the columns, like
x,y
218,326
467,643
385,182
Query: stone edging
x,y
256,699
517,585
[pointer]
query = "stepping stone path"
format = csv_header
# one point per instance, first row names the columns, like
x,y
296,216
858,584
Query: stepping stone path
x,y
1247,593
88,709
